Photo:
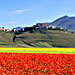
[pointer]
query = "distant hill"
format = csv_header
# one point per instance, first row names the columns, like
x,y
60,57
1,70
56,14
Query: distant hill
x,y
65,22
17,28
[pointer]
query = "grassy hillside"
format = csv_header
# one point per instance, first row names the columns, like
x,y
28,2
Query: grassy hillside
x,y
5,36
50,38
6,39
45,39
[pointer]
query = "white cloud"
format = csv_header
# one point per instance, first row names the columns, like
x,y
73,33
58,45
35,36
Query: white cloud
x,y
21,11
13,22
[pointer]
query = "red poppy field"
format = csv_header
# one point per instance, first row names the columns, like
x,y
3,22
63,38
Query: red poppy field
x,y
37,64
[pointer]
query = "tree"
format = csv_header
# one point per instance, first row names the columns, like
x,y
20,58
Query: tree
x,y
14,38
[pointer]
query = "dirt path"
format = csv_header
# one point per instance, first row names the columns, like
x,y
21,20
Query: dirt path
x,y
21,46
18,45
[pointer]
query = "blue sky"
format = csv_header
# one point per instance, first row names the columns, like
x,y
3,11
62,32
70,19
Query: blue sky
x,y
24,13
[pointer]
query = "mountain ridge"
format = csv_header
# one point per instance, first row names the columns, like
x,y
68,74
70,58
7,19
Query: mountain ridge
x,y
65,22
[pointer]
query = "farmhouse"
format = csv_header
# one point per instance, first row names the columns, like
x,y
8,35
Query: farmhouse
x,y
2,28
7,30
13,30
23,29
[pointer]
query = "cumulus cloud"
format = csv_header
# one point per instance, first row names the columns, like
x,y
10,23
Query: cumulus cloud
x,y
20,11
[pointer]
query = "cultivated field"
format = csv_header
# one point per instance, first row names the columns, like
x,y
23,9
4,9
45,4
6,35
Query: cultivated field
x,y
39,50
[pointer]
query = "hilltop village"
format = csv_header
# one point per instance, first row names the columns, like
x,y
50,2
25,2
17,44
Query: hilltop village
x,y
37,26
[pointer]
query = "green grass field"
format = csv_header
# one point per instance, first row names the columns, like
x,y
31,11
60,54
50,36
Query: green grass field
x,y
38,50
52,38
